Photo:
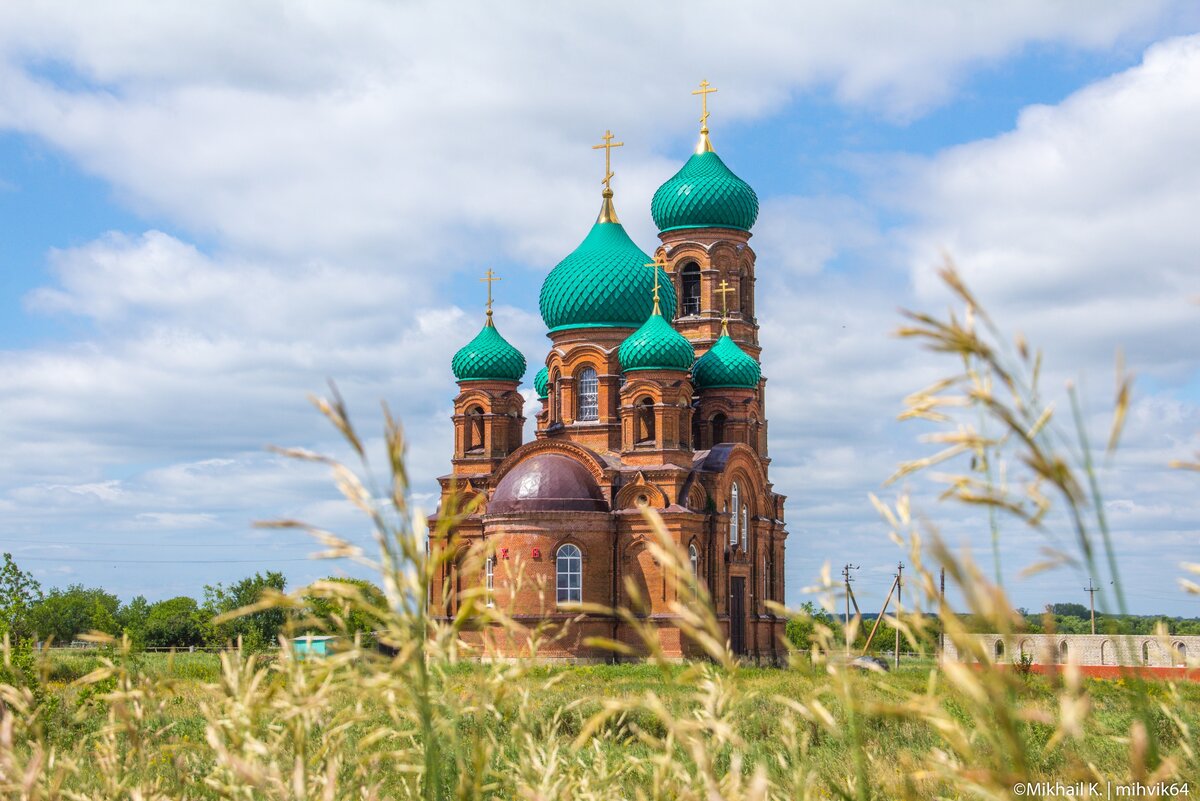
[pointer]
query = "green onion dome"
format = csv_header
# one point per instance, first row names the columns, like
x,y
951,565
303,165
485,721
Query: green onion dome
x,y
726,365
488,357
704,194
603,283
541,382
656,346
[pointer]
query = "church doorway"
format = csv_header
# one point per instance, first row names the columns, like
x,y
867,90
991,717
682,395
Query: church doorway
x,y
737,614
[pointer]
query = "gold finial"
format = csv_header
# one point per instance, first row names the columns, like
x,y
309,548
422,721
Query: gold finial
x,y
491,278
607,212
704,91
724,292
659,263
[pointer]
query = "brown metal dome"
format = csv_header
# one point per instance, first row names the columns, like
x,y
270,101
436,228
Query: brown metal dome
x,y
547,482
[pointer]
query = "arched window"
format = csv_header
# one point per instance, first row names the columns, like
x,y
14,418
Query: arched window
x,y
474,429
694,558
1062,651
745,527
489,576
1181,651
569,569
644,420
555,398
587,388
999,650
1145,653
745,296
690,285
718,429
735,519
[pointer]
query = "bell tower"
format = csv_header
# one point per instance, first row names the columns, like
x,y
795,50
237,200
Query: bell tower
x,y
704,215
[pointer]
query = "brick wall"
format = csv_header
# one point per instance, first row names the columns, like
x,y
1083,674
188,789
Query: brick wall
x,y
1083,649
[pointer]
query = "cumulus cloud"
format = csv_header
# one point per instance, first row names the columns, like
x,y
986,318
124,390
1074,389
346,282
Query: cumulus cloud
x,y
318,187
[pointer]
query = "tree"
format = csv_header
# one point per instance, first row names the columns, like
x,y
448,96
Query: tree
x,y
132,619
19,593
800,629
175,623
258,629
338,615
62,615
1069,610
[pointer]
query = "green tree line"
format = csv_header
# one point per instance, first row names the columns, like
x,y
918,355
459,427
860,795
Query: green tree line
x,y
61,615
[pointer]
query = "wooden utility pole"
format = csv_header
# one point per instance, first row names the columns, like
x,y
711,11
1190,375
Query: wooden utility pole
x,y
849,597
899,588
942,613
1091,591
882,612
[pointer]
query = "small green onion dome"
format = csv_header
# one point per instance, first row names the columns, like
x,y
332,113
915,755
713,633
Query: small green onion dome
x,y
488,357
541,382
656,346
603,283
726,365
704,194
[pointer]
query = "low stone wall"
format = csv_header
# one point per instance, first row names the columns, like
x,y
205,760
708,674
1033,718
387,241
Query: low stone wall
x,y
1144,650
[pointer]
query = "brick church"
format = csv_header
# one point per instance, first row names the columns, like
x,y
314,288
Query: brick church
x,y
651,394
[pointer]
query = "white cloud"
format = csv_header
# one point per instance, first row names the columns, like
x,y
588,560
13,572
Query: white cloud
x,y
339,168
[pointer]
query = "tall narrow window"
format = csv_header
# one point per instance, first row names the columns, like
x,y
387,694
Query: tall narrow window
x,y
736,518
718,429
745,296
489,568
691,290
694,558
474,429
644,420
588,388
569,569
555,398
745,527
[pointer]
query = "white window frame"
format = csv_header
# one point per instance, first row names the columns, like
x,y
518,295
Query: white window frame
x,y
694,558
735,520
587,389
568,565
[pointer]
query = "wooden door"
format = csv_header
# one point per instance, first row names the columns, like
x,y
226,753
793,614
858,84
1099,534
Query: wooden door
x,y
737,614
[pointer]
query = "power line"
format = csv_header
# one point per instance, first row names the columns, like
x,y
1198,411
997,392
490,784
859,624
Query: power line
x,y
168,561
258,544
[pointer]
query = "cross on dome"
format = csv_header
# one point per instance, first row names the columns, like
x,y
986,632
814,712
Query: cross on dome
x,y
659,263
491,278
704,91
724,291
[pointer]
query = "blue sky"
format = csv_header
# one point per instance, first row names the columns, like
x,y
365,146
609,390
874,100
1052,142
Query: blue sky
x,y
206,214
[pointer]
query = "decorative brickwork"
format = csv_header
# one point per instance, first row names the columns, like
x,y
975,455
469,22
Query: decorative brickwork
x,y
623,426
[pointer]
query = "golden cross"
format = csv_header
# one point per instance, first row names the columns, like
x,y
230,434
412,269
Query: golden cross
x,y
723,292
608,145
659,263
490,278
704,91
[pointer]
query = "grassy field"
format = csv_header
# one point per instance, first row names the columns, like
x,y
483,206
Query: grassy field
x,y
511,727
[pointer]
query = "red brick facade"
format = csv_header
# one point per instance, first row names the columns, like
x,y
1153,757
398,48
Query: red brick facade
x,y
655,441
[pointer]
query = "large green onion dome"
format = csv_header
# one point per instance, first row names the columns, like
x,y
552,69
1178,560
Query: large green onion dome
x,y
604,282
656,346
726,365
704,194
488,357
541,383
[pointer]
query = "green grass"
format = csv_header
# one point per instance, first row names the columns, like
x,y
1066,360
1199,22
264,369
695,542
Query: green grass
x,y
553,704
